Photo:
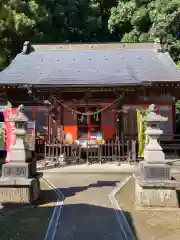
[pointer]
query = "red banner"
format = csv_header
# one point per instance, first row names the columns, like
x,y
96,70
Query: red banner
x,y
10,137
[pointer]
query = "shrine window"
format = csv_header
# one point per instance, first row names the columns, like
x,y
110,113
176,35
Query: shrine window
x,y
89,126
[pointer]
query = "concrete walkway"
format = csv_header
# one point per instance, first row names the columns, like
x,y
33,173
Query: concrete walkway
x,y
104,168
94,168
87,212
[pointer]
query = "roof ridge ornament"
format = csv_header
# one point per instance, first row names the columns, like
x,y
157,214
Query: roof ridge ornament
x,y
26,47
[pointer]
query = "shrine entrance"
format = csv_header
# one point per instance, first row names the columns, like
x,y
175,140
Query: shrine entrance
x,y
85,133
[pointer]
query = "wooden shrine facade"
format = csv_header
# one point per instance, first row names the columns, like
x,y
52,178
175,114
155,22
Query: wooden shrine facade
x,y
114,119
109,80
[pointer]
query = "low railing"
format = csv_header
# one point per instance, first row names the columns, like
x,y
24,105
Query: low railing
x,y
124,150
75,153
62,152
111,151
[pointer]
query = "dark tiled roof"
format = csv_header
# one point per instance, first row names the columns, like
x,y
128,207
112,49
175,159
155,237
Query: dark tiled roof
x,y
106,67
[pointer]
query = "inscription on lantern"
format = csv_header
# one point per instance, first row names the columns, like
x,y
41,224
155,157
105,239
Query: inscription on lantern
x,y
155,172
15,172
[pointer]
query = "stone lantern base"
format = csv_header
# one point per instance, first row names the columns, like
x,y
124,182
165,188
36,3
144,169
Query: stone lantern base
x,y
156,193
19,190
154,186
20,180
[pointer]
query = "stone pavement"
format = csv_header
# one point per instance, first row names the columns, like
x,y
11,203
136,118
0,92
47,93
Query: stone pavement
x,y
94,168
104,168
87,212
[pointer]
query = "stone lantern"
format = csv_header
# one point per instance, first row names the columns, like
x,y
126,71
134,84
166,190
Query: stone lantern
x,y
153,151
20,181
19,150
154,186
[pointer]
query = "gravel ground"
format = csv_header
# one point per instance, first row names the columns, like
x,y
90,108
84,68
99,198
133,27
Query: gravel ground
x,y
149,224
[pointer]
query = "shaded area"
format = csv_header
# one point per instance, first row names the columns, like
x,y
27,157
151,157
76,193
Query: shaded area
x,y
2,157
71,191
85,221
177,178
26,222
77,222
130,222
178,196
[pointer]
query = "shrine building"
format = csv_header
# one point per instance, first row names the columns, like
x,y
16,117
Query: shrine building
x,y
95,89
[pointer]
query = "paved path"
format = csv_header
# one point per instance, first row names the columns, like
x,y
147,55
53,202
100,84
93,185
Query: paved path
x,y
94,168
87,212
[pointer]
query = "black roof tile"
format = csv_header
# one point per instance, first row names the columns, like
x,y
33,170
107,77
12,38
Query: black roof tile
x,y
90,67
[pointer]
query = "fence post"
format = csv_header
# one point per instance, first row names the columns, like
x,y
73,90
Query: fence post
x,y
134,150
57,151
45,152
128,151
99,152
87,154
53,151
119,153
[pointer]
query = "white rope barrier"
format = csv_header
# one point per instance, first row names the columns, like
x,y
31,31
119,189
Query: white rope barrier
x,y
89,113
74,111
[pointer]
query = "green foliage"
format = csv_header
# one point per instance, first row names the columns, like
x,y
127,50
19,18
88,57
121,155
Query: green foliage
x,y
177,119
178,64
43,21
146,20
47,21
177,107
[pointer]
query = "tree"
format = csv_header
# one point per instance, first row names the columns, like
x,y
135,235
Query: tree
x,y
18,22
47,21
177,117
146,20
87,21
